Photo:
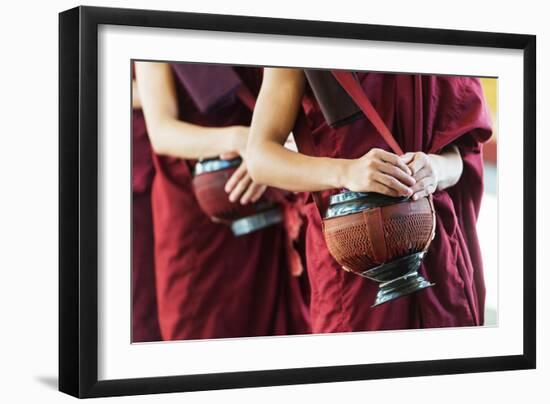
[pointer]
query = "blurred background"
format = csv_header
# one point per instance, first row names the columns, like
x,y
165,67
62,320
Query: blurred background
x,y
487,223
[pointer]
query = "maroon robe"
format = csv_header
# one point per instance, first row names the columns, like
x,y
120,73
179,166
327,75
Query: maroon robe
x,y
424,113
211,284
145,325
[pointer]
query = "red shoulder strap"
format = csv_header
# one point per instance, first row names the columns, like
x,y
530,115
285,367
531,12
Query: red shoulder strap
x,y
356,92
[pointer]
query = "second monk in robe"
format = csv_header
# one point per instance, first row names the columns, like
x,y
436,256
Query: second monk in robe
x,y
210,283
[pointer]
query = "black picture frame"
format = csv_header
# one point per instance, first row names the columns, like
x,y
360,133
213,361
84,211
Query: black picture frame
x,y
78,201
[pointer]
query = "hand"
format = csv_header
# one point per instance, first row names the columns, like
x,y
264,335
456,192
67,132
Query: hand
x,y
240,186
239,138
379,171
425,170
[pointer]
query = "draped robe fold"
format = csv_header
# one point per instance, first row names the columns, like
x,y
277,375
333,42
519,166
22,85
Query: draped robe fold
x,y
145,327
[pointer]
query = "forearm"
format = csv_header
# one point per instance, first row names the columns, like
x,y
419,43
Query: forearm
x,y
156,89
274,117
188,141
272,164
449,167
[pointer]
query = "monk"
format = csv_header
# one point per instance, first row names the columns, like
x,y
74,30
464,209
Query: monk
x,y
145,327
211,283
440,123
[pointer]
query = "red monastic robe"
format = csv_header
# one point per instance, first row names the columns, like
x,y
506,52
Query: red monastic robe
x,y
145,325
211,284
424,113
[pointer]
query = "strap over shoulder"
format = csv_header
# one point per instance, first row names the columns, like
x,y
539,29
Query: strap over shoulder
x,y
348,81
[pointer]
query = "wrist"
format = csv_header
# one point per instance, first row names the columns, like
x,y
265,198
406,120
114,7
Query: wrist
x,y
444,175
237,140
435,160
340,169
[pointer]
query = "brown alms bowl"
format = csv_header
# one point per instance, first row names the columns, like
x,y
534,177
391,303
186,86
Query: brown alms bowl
x,y
209,185
379,237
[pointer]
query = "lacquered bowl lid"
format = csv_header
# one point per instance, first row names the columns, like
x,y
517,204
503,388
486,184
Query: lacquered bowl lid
x,y
349,202
215,164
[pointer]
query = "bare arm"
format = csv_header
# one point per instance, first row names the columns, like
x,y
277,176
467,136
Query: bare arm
x,y
169,135
270,163
274,117
172,137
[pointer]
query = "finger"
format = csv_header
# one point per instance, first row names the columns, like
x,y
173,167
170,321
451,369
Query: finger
x,y
235,178
241,186
258,194
423,184
420,194
393,159
430,189
392,183
250,192
416,164
407,157
384,189
229,155
397,173
424,172
420,185
246,197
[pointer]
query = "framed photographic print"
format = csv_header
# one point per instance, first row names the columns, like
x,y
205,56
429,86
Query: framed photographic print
x,y
251,201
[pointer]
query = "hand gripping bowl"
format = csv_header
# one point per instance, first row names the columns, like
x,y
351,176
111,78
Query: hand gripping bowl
x,y
381,238
209,181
